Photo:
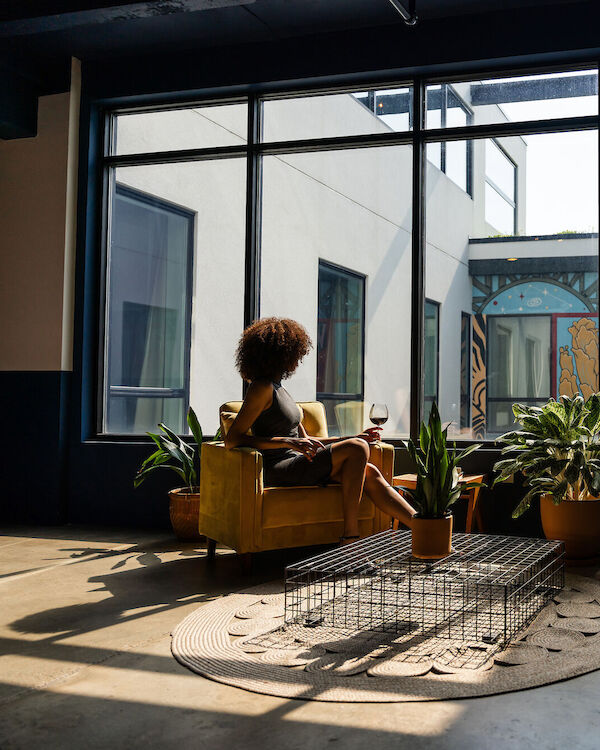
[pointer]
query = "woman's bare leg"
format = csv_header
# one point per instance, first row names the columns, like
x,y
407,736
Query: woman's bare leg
x,y
385,497
349,460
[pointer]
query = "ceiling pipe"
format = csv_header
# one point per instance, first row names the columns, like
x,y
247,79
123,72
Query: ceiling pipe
x,y
409,17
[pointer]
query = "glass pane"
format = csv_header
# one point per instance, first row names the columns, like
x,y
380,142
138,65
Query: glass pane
x,y
340,326
456,115
177,240
525,277
456,162
499,213
519,357
172,129
499,169
323,213
431,375
535,97
331,115
434,150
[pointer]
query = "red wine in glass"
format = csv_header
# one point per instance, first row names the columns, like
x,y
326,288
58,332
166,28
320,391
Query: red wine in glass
x,y
378,414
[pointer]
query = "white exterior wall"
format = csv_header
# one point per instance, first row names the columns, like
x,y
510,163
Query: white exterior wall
x,y
449,223
352,209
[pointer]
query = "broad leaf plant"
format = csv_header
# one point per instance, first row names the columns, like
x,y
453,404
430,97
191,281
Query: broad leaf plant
x,y
557,450
175,454
437,469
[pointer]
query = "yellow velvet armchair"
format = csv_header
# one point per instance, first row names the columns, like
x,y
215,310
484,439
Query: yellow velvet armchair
x,y
237,510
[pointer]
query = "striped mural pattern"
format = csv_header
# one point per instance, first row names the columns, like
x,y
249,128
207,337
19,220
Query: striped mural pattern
x,y
478,361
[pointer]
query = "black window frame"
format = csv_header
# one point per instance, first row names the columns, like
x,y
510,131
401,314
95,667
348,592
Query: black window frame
x,y
99,161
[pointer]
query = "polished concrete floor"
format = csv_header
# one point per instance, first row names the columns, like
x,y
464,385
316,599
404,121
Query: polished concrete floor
x,y
85,621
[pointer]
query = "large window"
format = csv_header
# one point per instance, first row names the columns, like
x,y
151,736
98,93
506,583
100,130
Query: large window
x,y
175,271
340,348
302,205
533,259
149,312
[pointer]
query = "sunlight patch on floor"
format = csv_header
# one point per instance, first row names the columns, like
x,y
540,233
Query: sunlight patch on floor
x,y
409,719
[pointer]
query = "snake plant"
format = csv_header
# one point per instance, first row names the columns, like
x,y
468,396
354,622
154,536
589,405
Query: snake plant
x,y
175,454
557,450
438,486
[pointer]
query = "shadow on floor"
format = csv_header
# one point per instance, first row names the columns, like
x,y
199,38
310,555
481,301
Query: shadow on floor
x,y
51,720
153,585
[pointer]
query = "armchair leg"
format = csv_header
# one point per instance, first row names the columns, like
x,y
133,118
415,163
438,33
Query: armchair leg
x,y
211,549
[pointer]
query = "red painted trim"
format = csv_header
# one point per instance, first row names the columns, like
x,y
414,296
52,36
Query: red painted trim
x,y
553,383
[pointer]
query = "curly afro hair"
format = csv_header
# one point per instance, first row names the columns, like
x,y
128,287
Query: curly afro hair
x,y
271,349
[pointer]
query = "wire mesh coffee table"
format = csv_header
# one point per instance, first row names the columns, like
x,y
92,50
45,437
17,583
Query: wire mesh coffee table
x,y
487,590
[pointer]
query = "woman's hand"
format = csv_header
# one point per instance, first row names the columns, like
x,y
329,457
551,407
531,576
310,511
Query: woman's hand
x,y
371,434
307,446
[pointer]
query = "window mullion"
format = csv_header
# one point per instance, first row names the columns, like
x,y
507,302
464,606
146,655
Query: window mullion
x,y
418,260
253,180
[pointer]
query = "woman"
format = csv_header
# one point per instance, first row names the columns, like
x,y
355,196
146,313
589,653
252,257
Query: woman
x,y
269,351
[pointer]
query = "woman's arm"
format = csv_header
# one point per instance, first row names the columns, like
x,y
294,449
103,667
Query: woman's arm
x,y
371,434
258,398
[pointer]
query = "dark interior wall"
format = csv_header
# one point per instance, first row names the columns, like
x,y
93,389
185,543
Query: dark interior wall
x,y
98,474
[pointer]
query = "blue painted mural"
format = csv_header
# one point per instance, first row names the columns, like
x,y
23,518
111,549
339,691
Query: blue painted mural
x,y
534,297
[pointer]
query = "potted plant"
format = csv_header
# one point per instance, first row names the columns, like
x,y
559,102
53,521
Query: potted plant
x,y
437,488
558,452
175,454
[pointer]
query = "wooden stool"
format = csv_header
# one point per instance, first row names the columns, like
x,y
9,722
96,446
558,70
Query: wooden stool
x,y
410,482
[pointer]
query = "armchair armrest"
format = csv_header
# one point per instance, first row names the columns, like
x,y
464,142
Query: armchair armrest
x,y
231,490
381,455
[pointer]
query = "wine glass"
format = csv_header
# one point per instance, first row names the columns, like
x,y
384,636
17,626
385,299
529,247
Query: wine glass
x,y
378,414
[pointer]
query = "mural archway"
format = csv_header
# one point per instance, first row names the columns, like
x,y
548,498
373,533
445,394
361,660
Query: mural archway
x,y
573,334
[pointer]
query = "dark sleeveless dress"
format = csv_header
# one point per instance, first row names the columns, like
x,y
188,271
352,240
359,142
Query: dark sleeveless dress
x,y
284,467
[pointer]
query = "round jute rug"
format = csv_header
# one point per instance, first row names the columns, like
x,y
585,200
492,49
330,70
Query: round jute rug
x,y
240,640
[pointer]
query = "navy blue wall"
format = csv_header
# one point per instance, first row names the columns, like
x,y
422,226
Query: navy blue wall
x,y
34,451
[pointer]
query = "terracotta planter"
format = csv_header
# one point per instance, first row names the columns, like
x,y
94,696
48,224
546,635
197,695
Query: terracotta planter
x,y
184,509
431,537
576,523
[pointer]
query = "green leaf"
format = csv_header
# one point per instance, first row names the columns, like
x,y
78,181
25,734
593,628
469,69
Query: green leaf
x,y
467,451
194,426
525,503
592,418
141,475
153,457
